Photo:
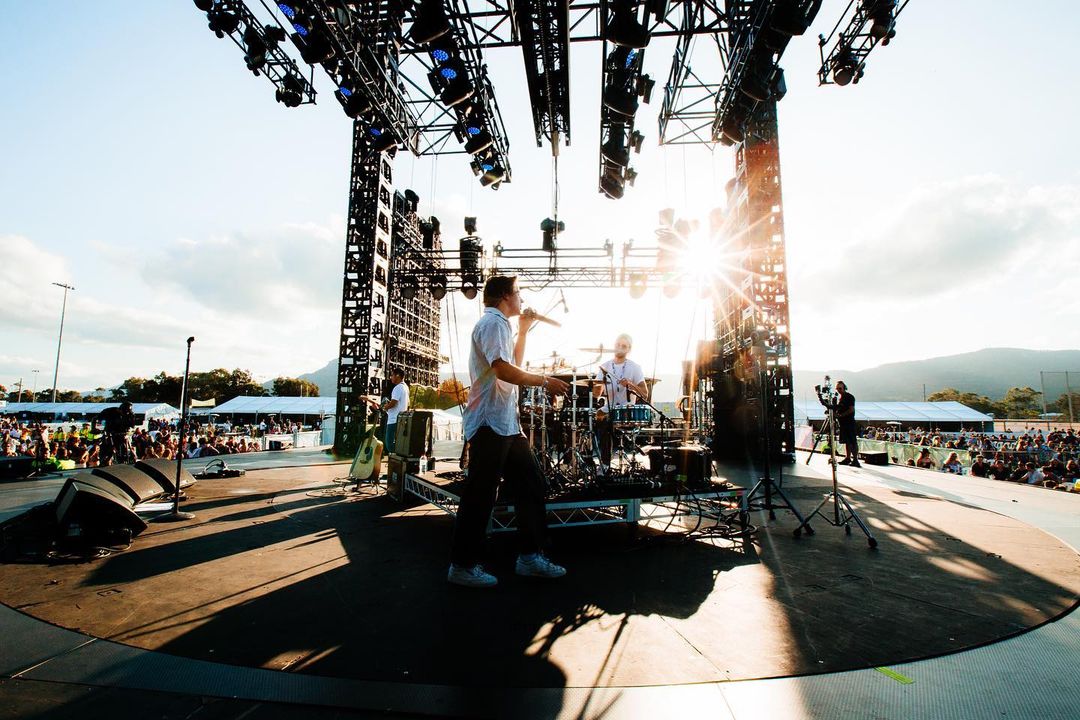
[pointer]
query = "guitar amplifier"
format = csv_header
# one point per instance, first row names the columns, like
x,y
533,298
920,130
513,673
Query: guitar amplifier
x,y
396,468
413,437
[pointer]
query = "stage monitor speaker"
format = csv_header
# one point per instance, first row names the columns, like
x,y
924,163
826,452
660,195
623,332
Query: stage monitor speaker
x,y
89,507
690,465
874,457
16,468
164,474
413,437
396,468
133,481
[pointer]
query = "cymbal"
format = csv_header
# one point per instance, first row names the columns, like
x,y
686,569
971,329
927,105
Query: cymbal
x,y
588,382
600,349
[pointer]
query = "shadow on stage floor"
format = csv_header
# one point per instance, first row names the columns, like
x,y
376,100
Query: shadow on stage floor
x,y
272,575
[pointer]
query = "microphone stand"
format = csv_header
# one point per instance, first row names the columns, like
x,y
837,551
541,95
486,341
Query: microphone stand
x,y
175,514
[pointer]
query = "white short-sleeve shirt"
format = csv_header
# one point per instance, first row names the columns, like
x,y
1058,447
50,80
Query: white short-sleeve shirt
x,y
401,394
492,402
616,393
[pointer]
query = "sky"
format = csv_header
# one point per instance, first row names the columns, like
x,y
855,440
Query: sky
x,y
932,209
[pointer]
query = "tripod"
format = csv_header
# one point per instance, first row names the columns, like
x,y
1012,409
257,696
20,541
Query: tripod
x,y
765,485
843,514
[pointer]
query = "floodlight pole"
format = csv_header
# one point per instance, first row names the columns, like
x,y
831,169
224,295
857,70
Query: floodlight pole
x,y
60,339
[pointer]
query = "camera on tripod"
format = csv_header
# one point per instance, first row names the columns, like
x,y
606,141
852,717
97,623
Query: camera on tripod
x,y
825,393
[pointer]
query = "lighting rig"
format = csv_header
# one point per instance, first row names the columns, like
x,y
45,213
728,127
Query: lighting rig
x,y
261,45
411,74
869,22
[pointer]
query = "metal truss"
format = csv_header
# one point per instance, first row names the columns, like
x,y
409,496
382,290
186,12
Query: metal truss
x,y
689,109
543,27
493,20
365,291
856,40
436,123
278,67
412,338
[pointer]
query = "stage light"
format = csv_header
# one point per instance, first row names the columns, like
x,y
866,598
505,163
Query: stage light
x,y
458,92
636,140
645,85
790,17
551,229
620,100
430,230
614,149
429,22
408,288
288,9
438,287
204,5
624,28
612,186
439,55
470,225
883,23
470,250
470,286
479,141
382,140
291,92
493,176
222,21
354,103
255,57
846,69
637,285
761,78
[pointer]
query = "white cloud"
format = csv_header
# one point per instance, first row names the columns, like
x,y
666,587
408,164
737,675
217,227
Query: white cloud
x,y
251,274
948,237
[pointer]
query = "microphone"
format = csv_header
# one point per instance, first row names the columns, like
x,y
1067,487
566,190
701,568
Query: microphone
x,y
533,315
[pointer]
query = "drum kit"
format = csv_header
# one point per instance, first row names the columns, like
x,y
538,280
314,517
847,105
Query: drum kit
x,y
565,431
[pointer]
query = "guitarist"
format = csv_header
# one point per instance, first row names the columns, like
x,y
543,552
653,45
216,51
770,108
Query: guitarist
x,y
399,400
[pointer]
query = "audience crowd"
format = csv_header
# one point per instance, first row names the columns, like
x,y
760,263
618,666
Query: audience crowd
x,y
1032,457
65,445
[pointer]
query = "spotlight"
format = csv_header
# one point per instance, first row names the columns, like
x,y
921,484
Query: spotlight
x,y
314,48
637,285
479,141
615,150
883,25
551,229
470,284
408,288
354,103
222,21
438,287
255,57
645,85
291,92
458,91
470,249
758,82
382,140
430,231
624,28
470,225
429,22
412,201
846,69
493,176
612,182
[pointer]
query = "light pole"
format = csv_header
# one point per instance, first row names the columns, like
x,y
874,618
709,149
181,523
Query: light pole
x,y
60,339
34,396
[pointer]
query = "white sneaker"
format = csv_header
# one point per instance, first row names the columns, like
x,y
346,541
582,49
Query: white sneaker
x,y
471,577
538,566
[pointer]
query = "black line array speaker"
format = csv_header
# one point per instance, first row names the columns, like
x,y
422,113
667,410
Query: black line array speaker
x,y
164,473
413,437
96,509
139,486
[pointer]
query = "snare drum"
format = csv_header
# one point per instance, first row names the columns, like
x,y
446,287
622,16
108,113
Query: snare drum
x,y
636,415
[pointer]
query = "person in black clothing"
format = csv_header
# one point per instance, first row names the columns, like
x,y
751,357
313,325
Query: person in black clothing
x,y
118,423
845,420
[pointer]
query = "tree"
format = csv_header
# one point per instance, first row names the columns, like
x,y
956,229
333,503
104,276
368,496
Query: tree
x,y
1022,403
974,401
130,390
1061,405
61,395
294,387
422,396
452,393
3,390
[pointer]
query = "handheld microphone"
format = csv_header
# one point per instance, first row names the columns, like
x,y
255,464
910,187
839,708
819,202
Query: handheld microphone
x,y
533,315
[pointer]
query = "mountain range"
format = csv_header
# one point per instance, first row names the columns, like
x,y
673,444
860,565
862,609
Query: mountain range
x,y
990,372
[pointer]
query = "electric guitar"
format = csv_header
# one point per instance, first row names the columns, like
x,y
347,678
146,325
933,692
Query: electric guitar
x,y
368,458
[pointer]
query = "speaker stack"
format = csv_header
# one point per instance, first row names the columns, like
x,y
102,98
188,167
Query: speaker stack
x,y
99,506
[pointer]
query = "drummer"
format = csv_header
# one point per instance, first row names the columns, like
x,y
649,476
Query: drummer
x,y
620,378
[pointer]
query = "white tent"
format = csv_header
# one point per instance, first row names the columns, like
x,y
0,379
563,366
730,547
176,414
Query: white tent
x,y
927,414
249,405
87,409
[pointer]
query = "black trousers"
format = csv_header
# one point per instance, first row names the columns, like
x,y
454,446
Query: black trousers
x,y
605,433
493,457
849,438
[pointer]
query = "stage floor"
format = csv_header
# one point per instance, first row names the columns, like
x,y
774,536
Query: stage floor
x,y
273,575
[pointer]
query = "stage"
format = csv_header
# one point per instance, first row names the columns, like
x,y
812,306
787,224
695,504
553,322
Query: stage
x,y
274,574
